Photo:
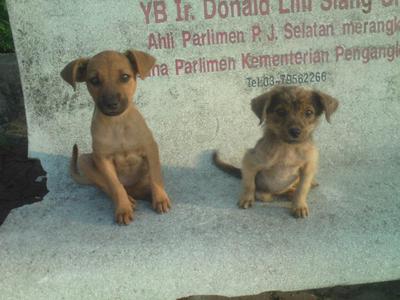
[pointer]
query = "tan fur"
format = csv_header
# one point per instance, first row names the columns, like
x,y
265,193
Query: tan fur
x,y
285,160
125,161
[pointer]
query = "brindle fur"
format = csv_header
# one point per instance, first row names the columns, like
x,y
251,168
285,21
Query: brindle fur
x,y
285,159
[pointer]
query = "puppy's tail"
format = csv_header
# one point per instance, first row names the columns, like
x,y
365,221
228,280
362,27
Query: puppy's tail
x,y
232,170
73,168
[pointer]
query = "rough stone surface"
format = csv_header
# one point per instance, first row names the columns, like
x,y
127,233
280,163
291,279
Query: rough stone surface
x,y
67,246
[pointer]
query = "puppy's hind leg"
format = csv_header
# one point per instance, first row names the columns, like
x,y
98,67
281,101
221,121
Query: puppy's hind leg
x,y
140,190
292,190
314,183
263,196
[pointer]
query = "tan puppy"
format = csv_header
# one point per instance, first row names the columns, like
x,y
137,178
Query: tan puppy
x,y
125,162
285,159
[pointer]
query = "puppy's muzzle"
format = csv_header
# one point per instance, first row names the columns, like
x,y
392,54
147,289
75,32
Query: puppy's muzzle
x,y
294,132
111,105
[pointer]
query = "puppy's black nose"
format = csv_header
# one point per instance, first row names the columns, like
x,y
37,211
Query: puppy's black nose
x,y
110,102
294,132
112,105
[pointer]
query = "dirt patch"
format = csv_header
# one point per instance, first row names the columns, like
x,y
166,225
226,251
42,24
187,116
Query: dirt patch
x,y
22,180
389,290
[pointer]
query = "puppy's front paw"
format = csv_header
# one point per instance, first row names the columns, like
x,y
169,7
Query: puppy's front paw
x,y
246,201
161,202
124,213
300,210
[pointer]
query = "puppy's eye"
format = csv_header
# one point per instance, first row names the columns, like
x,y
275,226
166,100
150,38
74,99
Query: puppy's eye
x,y
125,77
281,112
95,81
308,113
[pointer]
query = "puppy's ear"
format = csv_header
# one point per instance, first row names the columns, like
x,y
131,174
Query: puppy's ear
x,y
326,102
259,105
142,62
75,71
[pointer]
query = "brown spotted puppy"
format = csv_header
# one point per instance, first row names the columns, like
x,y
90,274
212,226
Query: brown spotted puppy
x,y
124,162
284,161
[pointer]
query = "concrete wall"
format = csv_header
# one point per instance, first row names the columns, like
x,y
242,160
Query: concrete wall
x,y
190,113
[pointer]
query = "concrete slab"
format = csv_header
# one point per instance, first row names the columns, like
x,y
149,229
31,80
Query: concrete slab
x,y
68,247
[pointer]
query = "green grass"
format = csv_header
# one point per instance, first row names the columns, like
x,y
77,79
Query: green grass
x,y
6,41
